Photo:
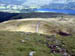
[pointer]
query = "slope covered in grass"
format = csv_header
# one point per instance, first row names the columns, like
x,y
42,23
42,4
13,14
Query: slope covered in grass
x,y
11,44
46,26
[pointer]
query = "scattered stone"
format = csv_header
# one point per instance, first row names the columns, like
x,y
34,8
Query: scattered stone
x,y
65,54
22,41
57,47
31,53
57,42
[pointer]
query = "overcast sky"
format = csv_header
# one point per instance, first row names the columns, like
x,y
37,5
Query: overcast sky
x,y
43,2
37,2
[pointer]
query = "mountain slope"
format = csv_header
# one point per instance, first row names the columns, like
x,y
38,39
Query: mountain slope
x,y
43,26
21,44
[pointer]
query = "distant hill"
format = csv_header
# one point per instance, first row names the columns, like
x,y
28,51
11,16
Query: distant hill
x,y
4,16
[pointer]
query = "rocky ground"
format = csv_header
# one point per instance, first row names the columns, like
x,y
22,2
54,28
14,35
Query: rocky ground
x,y
22,43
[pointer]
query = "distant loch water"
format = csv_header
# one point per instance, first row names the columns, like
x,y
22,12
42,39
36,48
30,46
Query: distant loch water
x,y
65,11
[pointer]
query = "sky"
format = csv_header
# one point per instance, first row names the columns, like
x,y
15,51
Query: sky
x,y
35,2
38,3
43,2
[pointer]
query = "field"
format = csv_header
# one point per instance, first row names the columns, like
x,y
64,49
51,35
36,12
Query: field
x,y
45,26
20,37
11,44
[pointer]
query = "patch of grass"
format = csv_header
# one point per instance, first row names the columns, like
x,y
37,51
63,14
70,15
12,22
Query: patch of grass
x,y
11,44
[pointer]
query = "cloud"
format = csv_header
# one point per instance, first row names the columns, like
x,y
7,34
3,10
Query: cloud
x,y
37,2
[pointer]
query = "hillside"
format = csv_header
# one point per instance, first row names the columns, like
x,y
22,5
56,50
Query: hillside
x,y
4,16
21,44
45,36
11,44
44,26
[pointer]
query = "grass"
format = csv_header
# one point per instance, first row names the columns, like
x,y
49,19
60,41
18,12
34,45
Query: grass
x,y
11,40
48,26
69,43
11,44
